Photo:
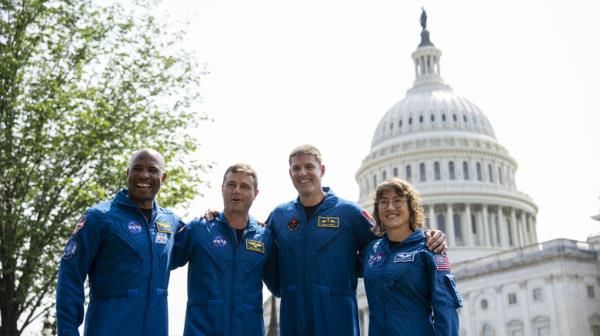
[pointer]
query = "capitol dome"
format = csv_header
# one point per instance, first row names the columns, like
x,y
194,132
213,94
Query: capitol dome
x,y
446,147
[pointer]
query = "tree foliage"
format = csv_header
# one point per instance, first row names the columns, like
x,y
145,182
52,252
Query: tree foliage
x,y
81,87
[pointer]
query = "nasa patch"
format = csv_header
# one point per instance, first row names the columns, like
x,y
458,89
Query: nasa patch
x,y
134,227
374,259
219,241
71,248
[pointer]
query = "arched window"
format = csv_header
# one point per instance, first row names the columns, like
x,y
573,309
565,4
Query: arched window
x,y
441,222
400,123
451,172
510,234
391,126
487,330
443,116
408,173
515,328
432,117
490,173
374,181
421,119
410,121
436,169
422,172
541,326
395,171
465,170
479,178
384,175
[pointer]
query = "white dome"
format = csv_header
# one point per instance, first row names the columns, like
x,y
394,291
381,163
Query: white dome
x,y
431,111
445,146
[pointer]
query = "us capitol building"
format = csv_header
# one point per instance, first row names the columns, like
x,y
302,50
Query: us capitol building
x,y
511,284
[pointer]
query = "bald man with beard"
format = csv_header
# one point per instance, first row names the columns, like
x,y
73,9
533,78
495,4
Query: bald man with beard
x,y
123,246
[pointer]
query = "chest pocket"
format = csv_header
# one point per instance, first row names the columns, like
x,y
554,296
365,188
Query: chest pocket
x,y
253,254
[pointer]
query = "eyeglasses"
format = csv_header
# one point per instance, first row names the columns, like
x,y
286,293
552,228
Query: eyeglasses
x,y
396,203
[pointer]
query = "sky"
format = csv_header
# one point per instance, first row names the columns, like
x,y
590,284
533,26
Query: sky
x,y
284,73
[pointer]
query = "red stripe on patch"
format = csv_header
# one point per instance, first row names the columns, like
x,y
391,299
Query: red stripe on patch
x,y
442,263
368,216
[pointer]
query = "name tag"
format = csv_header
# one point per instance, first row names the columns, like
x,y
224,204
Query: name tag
x,y
328,222
254,245
164,227
404,257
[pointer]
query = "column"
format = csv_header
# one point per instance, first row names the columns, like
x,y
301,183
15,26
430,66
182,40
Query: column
x,y
515,228
468,226
503,230
485,222
534,227
450,225
432,219
523,226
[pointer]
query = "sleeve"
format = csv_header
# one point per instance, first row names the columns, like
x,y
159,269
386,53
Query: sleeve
x,y
445,298
78,256
271,268
362,225
182,249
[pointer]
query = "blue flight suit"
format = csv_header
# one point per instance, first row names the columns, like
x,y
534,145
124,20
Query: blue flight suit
x,y
127,260
224,276
410,290
318,265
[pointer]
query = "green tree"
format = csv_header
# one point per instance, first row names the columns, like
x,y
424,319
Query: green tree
x,y
81,87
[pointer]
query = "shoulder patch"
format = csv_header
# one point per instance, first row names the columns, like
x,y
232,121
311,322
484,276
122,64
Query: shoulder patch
x,y
71,248
368,216
441,262
164,227
79,225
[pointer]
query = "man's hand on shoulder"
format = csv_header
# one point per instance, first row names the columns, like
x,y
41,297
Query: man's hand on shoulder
x,y
436,241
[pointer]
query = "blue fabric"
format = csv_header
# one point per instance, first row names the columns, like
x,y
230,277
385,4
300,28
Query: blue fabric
x,y
127,260
409,289
224,277
318,265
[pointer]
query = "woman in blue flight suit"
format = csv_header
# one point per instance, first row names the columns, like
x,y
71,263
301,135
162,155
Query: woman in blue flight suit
x,y
410,290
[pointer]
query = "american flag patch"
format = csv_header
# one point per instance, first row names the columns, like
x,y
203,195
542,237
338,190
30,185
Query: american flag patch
x,y
442,263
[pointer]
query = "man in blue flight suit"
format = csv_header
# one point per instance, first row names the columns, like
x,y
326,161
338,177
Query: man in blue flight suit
x,y
124,247
228,257
317,240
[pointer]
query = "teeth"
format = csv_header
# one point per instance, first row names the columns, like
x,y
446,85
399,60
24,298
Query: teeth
x,y
143,185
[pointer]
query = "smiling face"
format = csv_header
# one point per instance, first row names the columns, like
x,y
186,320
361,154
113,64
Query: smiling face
x,y
145,175
306,173
239,192
393,211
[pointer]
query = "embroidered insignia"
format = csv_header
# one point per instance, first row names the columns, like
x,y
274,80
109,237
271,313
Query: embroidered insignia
x,y
328,222
404,257
219,241
441,262
134,227
164,227
293,224
256,246
70,249
161,238
376,245
79,225
374,259
368,216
